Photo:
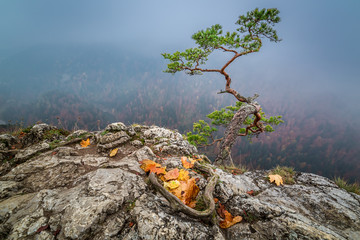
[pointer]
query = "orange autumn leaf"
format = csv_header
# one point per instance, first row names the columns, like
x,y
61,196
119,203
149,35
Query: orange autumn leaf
x,y
85,143
277,179
183,175
149,165
216,200
113,152
187,164
190,190
187,191
172,175
229,220
250,192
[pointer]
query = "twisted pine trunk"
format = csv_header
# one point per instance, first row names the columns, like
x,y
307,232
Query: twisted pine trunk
x,y
231,133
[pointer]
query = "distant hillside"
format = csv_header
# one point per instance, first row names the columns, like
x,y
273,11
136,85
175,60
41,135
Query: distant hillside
x,y
81,85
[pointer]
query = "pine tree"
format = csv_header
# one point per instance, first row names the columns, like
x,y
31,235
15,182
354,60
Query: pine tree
x,y
245,118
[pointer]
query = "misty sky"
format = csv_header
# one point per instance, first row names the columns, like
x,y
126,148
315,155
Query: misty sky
x,y
319,52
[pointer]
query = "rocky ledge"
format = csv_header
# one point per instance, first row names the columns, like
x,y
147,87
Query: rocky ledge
x,y
52,188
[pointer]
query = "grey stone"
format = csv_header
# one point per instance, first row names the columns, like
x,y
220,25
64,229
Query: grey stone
x,y
77,134
113,127
137,143
27,153
36,134
112,140
6,141
89,196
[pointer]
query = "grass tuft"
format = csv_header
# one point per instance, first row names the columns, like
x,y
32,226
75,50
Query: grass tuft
x,y
353,187
287,173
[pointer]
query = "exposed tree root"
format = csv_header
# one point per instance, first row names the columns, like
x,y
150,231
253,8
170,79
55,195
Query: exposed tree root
x,y
176,204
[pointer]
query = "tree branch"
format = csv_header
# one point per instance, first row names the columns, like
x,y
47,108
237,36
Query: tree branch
x,y
228,50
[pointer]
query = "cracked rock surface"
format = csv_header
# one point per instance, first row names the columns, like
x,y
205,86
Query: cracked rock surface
x,y
52,188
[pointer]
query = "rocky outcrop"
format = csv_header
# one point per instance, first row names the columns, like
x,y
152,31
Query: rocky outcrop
x,y
53,188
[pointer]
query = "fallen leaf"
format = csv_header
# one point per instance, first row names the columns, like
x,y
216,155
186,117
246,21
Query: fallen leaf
x,y
172,184
22,134
229,220
190,190
183,175
277,179
187,164
221,210
85,143
149,165
216,200
42,228
250,192
187,191
131,224
113,152
172,175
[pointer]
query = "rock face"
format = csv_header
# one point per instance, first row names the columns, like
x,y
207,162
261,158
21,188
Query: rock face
x,y
54,189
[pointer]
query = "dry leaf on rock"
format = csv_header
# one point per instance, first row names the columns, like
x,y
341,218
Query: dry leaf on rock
x,y
187,163
251,192
187,191
190,190
183,175
85,143
149,165
172,184
229,220
172,175
277,179
113,152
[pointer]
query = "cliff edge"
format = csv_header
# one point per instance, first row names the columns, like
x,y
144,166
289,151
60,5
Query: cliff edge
x,y
53,188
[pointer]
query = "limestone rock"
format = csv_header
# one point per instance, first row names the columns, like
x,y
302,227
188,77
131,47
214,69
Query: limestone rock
x,y
36,134
6,141
30,151
113,127
70,192
77,134
112,140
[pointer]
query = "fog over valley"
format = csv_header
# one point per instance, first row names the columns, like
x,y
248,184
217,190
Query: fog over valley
x,y
85,64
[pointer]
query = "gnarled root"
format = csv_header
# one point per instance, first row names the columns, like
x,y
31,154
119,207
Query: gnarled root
x,y
177,205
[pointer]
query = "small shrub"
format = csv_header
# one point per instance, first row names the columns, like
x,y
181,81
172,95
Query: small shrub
x,y
54,133
104,132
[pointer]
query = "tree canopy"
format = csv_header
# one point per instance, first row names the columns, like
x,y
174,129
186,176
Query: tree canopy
x,y
247,38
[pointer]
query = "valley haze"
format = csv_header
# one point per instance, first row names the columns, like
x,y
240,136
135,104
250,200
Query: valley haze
x,y
82,62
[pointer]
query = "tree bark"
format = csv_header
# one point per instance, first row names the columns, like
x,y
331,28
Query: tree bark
x,y
231,133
